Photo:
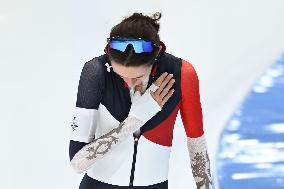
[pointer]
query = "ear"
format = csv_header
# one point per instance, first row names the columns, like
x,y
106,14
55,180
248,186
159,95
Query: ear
x,y
160,47
106,50
163,46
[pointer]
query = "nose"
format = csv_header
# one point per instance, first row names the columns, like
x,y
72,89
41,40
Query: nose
x,y
131,82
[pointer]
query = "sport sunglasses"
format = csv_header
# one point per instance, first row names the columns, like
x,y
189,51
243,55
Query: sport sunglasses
x,y
139,45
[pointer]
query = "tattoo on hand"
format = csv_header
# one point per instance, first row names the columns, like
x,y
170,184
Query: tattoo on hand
x,y
199,169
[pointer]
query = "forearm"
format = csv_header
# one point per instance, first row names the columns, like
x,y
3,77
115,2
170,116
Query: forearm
x,y
137,117
99,147
200,162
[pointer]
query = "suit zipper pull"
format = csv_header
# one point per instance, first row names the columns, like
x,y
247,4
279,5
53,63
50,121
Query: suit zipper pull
x,y
136,136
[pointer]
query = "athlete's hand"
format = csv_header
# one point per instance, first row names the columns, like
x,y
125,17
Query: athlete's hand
x,y
164,92
141,103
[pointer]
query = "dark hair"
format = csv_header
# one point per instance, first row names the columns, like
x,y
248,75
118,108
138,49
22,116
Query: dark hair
x,y
136,25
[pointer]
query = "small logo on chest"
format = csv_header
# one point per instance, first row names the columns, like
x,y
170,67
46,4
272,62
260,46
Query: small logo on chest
x,y
108,66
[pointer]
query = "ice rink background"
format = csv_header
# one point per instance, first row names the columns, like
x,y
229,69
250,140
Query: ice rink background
x,y
251,147
43,45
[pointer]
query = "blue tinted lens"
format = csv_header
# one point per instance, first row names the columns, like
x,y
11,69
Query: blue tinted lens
x,y
118,45
139,45
147,46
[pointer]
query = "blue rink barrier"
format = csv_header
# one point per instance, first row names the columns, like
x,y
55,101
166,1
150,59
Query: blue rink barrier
x,y
251,147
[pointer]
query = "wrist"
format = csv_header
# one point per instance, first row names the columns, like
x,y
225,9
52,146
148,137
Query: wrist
x,y
145,107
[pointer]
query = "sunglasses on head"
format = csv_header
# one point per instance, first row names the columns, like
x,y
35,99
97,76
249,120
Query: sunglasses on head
x,y
139,45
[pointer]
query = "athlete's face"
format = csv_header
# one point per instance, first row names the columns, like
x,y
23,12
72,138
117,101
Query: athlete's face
x,y
131,75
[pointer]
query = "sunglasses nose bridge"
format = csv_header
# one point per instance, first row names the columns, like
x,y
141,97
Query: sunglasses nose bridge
x,y
129,44
138,45
134,46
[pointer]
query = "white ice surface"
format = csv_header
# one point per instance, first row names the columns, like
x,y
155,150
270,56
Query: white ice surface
x,y
43,45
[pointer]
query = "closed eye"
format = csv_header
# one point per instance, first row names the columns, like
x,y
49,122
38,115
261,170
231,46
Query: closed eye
x,y
132,78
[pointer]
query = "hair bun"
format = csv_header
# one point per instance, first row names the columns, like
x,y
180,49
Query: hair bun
x,y
154,20
156,16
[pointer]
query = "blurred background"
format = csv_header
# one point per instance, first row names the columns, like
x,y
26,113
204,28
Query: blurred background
x,y
235,46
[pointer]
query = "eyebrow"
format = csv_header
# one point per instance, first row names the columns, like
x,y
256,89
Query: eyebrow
x,y
134,77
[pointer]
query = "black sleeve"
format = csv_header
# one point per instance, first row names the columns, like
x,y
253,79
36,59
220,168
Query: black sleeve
x,y
89,95
74,147
91,85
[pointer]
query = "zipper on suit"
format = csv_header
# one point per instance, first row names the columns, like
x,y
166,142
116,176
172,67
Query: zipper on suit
x,y
136,137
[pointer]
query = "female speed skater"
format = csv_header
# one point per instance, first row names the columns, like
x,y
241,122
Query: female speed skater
x,y
127,102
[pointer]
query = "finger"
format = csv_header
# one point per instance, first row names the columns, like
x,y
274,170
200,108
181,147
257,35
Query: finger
x,y
168,96
167,88
160,79
155,98
152,94
164,83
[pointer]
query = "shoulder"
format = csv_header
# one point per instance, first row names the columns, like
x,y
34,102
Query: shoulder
x,y
176,63
189,80
170,63
95,66
187,69
169,59
91,84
